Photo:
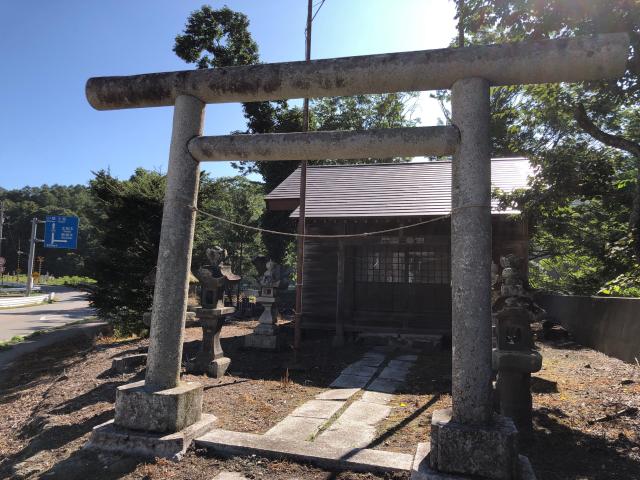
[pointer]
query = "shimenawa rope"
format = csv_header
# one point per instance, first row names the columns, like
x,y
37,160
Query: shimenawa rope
x,y
321,236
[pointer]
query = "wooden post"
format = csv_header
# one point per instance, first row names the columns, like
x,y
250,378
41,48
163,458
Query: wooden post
x,y
338,340
297,332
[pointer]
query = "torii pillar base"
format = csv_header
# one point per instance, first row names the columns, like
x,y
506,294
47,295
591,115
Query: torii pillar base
x,y
151,424
459,451
421,468
478,451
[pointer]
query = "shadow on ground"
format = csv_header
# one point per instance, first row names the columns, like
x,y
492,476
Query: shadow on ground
x,y
559,452
316,364
86,464
44,438
42,365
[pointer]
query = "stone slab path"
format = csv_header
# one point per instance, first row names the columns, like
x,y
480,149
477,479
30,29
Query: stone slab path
x,y
230,476
355,426
333,422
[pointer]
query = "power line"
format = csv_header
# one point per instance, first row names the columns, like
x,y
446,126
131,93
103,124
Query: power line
x,y
314,15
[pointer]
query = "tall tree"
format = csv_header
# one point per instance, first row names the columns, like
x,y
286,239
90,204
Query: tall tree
x,y
221,38
584,139
236,199
127,219
220,46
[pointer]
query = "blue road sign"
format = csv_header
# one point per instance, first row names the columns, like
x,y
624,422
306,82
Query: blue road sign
x,y
61,232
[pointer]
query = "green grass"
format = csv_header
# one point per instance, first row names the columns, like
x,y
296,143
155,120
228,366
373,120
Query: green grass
x,y
7,344
69,280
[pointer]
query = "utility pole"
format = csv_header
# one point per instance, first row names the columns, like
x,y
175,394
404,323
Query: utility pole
x,y
32,253
1,224
297,332
18,253
2,262
461,23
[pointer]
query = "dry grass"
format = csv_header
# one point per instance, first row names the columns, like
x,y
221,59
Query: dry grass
x,y
54,397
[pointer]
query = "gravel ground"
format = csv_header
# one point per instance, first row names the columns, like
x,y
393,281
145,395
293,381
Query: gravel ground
x,y
586,423
54,397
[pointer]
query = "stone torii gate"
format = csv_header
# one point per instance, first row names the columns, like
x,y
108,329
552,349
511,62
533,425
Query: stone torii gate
x,y
468,440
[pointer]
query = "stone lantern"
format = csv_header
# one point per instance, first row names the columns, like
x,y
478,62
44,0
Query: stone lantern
x,y
265,336
514,357
215,279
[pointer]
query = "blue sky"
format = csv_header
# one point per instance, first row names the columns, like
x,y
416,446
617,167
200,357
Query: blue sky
x,y
50,134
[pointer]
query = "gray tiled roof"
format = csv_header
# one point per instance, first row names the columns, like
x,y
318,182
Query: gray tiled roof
x,y
390,190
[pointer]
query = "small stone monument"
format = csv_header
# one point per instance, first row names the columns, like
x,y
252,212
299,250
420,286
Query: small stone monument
x,y
214,279
127,363
150,282
514,357
265,336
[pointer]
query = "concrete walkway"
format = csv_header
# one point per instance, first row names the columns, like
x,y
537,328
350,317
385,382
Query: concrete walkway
x,y
355,426
70,306
333,429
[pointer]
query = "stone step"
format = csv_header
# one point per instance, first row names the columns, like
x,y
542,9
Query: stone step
x,y
350,381
384,385
323,409
376,397
228,443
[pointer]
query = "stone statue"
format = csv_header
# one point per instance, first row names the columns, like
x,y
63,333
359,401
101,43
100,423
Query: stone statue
x,y
271,276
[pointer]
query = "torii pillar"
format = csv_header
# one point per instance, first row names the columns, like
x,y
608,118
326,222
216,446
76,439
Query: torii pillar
x,y
161,415
469,439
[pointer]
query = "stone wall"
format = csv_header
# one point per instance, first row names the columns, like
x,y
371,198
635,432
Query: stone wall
x,y
610,325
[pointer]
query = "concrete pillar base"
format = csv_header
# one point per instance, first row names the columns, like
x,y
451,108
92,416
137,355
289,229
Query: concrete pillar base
x,y
218,367
422,470
266,329
489,451
109,437
128,363
262,342
162,411
215,368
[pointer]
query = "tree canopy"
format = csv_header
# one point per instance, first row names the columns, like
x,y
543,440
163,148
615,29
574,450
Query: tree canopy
x,y
127,220
583,139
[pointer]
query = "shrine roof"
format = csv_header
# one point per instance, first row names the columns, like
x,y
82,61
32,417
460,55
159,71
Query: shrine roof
x,y
412,189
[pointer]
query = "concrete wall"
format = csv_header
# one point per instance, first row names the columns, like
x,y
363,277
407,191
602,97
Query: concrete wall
x,y
9,302
610,325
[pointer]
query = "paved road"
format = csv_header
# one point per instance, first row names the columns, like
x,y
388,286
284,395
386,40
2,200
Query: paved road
x,y
70,306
